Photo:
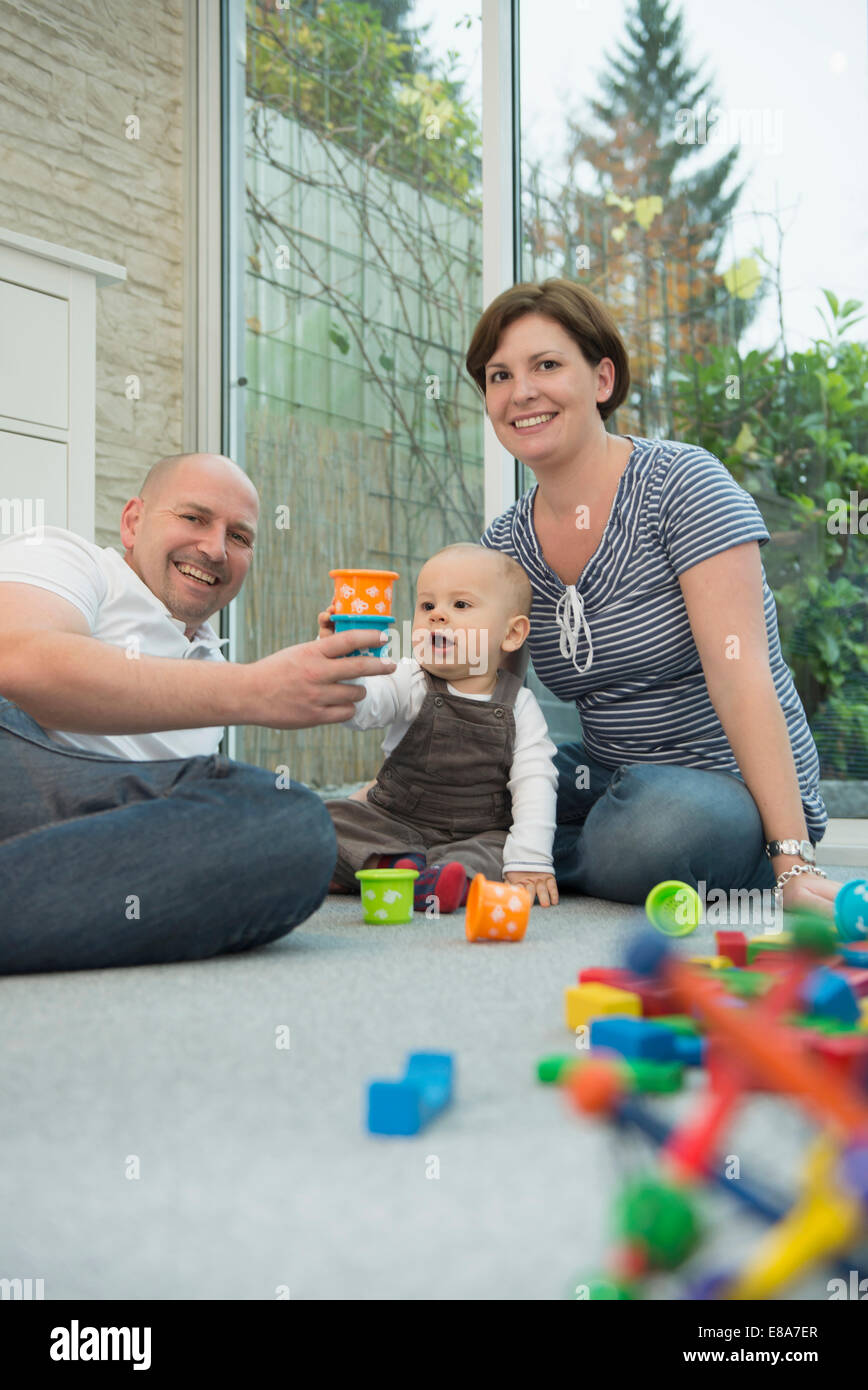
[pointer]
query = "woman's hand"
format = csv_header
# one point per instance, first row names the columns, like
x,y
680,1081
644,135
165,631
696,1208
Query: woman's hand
x,y
810,893
540,885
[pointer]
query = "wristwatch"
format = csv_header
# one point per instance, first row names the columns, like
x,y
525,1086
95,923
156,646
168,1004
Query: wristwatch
x,y
803,848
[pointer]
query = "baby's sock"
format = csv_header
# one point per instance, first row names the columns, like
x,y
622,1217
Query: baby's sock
x,y
447,882
401,861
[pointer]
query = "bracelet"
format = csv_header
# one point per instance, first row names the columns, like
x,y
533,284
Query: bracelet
x,y
794,872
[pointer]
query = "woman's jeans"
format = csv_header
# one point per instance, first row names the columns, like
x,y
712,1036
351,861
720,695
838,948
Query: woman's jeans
x,y
622,831
107,862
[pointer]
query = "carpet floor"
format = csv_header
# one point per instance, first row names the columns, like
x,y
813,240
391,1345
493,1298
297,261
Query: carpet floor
x,y
158,1143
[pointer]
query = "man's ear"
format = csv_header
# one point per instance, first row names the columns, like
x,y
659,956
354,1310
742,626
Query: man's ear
x,y
130,521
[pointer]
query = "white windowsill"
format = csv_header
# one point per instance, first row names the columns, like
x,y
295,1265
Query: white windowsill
x,y
845,842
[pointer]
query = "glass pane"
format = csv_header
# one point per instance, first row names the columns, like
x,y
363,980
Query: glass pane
x,y
362,275
718,207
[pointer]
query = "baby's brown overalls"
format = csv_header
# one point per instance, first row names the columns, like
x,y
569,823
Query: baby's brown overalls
x,y
442,791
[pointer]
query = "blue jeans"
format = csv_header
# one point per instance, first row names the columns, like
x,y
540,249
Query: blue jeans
x,y
634,826
107,862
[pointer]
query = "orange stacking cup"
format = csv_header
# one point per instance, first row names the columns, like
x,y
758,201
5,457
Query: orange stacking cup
x,y
363,591
496,911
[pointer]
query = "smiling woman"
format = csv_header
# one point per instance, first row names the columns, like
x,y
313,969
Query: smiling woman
x,y
651,611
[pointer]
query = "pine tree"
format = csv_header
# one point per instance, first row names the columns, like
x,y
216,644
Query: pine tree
x,y
655,224
649,82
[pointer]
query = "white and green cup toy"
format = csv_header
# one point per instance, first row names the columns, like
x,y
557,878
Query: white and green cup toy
x,y
387,895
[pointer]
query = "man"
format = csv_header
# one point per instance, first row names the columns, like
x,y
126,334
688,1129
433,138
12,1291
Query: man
x,y
124,838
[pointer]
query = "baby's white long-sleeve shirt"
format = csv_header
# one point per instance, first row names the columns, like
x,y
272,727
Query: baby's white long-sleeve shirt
x,y
392,702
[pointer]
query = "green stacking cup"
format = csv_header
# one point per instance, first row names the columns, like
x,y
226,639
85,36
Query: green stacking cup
x,y
387,895
674,907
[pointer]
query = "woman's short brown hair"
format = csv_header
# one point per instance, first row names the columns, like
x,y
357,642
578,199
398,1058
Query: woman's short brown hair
x,y
579,312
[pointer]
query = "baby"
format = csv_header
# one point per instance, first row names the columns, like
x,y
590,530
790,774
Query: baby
x,y
469,784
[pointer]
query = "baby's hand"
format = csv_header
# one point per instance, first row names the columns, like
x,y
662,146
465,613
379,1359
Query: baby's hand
x,y
541,885
326,626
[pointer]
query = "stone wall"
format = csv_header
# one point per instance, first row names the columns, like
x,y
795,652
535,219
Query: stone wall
x,y
72,74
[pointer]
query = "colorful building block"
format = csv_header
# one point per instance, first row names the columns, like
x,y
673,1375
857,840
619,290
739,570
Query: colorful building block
x,y
656,998
828,995
585,1002
747,984
732,944
713,962
655,1078
856,977
690,1051
760,945
679,1023
406,1106
658,1078
614,975
636,1037
770,961
554,1070
846,1052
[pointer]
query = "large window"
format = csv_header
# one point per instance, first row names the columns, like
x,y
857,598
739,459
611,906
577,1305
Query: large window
x,y
700,168
362,280
717,204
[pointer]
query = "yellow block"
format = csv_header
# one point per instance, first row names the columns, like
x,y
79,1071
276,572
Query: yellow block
x,y
863,1012
593,1000
780,938
713,962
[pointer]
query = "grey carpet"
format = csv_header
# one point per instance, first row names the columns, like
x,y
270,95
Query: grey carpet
x,y
256,1173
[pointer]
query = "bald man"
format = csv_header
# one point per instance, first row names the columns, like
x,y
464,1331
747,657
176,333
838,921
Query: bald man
x,y
125,839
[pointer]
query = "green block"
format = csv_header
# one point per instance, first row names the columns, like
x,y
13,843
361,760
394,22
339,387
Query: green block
x,y
813,933
661,1219
551,1070
657,1077
679,1023
820,1024
747,984
774,943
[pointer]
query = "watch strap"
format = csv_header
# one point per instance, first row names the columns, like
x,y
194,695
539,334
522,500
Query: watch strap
x,y
803,848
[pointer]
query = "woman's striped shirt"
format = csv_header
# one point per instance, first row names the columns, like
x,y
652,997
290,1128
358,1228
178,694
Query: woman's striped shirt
x,y
619,641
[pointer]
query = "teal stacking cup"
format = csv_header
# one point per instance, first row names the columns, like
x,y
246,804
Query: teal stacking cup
x,y
345,622
851,910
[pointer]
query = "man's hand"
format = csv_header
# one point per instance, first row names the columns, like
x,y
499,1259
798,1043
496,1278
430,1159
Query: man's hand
x,y
540,885
326,626
300,687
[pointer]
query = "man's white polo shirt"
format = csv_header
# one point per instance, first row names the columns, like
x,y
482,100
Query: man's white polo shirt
x,y
120,609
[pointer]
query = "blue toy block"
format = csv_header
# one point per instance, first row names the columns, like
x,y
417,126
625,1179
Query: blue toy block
x,y
691,1050
646,954
852,955
636,1037
406,1106
828,995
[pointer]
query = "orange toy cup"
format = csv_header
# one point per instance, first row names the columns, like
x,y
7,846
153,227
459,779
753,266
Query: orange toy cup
x,y
364,591
496,911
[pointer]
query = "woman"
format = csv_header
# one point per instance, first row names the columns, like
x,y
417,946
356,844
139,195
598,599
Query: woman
x,y
651,611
